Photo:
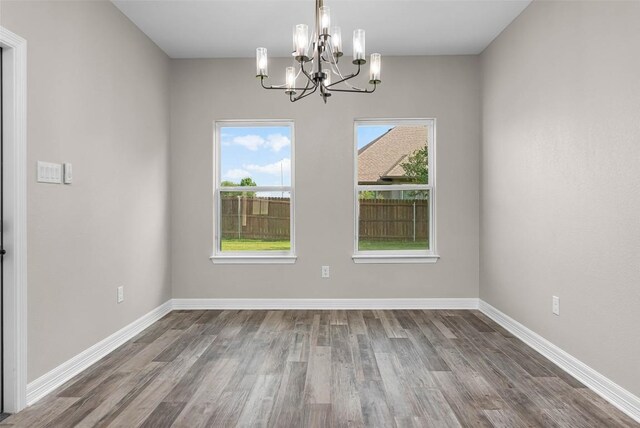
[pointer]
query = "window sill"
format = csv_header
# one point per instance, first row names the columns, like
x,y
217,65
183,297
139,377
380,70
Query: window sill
x,y
398,258
253,260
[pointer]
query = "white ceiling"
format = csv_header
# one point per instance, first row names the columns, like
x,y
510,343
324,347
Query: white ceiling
x,y
234,28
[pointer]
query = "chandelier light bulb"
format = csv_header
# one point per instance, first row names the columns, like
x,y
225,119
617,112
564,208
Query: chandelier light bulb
x,y
261,62
374,68
327,79
291,78
325,19
300,40
336,40
358,45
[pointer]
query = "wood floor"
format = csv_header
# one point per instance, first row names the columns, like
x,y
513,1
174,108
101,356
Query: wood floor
x,y
323,368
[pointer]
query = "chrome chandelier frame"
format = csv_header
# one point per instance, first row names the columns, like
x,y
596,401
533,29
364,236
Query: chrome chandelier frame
x,y
318,60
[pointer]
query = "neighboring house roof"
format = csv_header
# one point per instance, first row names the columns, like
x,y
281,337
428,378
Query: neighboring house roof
x,y
381,159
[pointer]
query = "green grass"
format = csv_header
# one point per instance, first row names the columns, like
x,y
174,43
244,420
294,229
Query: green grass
x,y
392,245
254,245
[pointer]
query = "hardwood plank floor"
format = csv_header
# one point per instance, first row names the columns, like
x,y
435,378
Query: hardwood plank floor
x,y
323,368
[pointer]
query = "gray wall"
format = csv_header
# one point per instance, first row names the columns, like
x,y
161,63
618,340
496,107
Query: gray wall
x,y
97,97
560,179
447,88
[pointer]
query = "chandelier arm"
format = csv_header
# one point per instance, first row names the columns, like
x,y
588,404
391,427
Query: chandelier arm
x,y
269,87
334,62
305,73
344,79
336,69
328,52
359,91
305,89
303,95
309,78
333,58
281,87
355,88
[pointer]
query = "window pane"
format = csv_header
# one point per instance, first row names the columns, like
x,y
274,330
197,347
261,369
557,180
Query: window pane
x,y
255,156
389,154
393,220
252,221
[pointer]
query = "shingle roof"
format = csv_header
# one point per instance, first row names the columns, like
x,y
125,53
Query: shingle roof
x,y
383,157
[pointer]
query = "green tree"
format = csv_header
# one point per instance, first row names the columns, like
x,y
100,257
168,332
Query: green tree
x,y
367,194
245,182
416,166
416,169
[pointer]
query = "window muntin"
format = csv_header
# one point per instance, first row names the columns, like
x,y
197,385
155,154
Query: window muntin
x,y
253,188
395,187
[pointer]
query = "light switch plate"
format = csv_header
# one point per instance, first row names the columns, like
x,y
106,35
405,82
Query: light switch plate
x,y
555,305
120,298
49,172
68,173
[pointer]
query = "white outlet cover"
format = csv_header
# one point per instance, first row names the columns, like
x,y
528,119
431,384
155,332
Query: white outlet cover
x,y
325,271
555,305
120,297
68,173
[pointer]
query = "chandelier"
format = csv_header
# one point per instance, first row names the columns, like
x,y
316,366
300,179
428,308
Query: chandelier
x,y
316,61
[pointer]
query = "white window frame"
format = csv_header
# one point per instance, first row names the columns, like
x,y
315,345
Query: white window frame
x,y
250,257
398,256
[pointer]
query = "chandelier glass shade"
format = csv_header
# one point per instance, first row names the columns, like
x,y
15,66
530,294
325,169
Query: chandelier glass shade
x,y
316,61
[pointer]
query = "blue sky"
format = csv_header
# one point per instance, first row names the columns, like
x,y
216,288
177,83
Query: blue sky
x,y
368,133
264,152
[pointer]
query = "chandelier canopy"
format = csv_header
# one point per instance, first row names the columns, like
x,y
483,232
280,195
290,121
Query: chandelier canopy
x,y
316,59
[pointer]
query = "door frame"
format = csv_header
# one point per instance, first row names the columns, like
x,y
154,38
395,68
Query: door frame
x,y
15,201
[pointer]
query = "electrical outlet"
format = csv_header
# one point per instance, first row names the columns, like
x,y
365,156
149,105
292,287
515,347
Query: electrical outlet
x,y
555,305
325,271
120,294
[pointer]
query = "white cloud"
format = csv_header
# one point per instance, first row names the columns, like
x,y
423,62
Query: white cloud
x,y
273,168
277,141
236,174
251,142
274,142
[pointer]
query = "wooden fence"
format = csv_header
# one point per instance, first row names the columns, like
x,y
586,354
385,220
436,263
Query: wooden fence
x,y
380,219
394,220
255,218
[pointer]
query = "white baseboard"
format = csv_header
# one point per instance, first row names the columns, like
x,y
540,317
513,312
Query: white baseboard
x,y
65,371
603,386
444,303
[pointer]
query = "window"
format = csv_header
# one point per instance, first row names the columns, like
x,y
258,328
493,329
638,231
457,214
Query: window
x,y
254,192
394,191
